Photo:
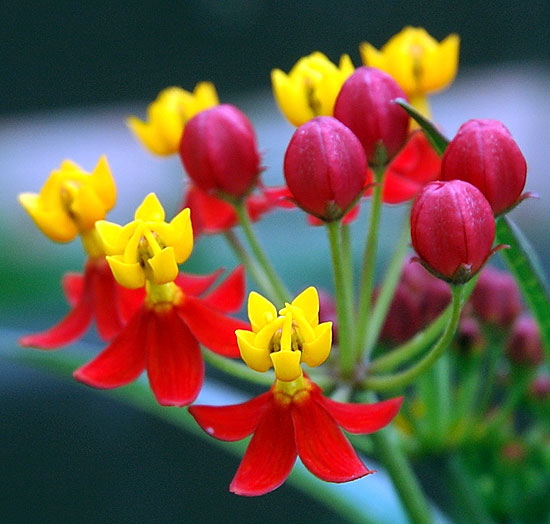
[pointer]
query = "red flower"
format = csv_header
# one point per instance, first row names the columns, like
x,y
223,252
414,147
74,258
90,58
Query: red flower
x,y
218,150
93,296
212,215
415,165
324,168
285,425
164,338
452,229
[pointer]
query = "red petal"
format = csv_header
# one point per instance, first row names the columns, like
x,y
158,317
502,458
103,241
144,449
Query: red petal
x,y
362,418
73,287
197,284
231,422
229,295
212,329
71,328
123,360
105,296
175,366
322,446
270,455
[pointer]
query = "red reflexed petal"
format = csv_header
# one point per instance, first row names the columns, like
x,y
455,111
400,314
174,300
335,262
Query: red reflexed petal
x,y
270,455
123,360
322,446
105,296
229,295
214,330
175,366
130,300
231,422
197,284
362,418
73,287
71,328
209,215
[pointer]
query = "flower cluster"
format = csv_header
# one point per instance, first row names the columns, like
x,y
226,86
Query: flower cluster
x,y
354,140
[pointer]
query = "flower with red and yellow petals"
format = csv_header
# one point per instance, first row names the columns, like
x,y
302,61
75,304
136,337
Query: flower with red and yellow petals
x,y
69,204
168,114
293,419
177,315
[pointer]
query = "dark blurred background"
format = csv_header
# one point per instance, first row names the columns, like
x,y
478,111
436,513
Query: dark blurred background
x,y
64,53
70,72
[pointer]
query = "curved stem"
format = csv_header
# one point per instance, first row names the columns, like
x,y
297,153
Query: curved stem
x,y
369,260
343,300
403,378
376,321
280,294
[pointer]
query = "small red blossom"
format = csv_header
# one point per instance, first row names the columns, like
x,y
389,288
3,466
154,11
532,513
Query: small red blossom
x,y
452,229
287,423
366,104
484,154
211,215
163,338
93,296
218,150
411,169
325,168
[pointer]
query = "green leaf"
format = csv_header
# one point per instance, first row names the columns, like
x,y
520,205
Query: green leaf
x,y
436,139
523,263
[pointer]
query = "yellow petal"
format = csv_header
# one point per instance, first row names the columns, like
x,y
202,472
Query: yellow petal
x,y
308,302
254,357
104,184
180,235
260,311
286,365
87,208
111,237
150,209
164,266
316,352
127,275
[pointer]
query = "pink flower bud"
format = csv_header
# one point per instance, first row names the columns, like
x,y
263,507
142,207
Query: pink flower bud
x,y
366,105
524,347
452,229
484,153
325,168
469,337
496,298
218,150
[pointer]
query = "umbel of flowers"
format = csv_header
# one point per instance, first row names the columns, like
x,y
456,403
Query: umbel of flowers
x,y
429,335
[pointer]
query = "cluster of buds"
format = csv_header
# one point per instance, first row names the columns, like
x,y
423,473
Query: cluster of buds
x,y
353,140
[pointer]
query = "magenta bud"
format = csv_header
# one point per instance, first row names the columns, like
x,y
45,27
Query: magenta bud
x,y
366,104
524,346
484,154
218,150
496,298
325,168
469,337
452,229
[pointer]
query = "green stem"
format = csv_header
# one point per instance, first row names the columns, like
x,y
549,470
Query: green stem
x,y
436,401
344,306
376,321
403,378
249,263
469,508
237,369
369,261
347,261
390,454
280,294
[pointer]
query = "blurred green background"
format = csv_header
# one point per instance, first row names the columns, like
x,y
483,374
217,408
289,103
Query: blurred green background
x,y
70,74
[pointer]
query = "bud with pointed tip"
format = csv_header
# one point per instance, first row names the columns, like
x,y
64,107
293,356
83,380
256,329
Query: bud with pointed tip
x,y
218,150
452,230
325,168
484,154
366,105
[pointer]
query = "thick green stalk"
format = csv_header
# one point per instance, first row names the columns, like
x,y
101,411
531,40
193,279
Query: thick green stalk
x,y
344,305
403,378
280,293
369,262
